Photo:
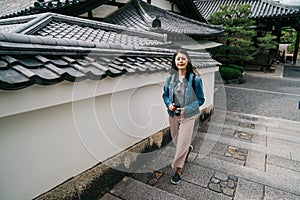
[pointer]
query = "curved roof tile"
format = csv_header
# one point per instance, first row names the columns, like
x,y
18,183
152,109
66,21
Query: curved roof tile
x,y
140,15
31,54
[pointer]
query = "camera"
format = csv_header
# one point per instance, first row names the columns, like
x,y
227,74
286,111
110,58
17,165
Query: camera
x,y
177,111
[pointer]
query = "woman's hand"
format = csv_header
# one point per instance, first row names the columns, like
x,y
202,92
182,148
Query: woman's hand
x,y
172,107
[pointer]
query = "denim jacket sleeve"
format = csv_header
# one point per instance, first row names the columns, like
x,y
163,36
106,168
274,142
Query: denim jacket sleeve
x,y
199,91
166,92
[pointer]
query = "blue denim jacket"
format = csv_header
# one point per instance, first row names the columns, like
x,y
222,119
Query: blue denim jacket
x,y
193,99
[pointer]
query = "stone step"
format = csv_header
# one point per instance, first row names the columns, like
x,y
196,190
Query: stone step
x,y
129,189
204,172
280,150
285,180
291,136
272,123
266,167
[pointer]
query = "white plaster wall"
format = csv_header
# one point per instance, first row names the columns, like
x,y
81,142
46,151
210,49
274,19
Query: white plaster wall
x,y
208,80
49,134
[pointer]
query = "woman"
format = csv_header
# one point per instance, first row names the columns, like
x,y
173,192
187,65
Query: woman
x,y
183,99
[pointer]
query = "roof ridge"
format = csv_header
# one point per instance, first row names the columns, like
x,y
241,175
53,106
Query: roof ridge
x,y
106,25
185,18
144,14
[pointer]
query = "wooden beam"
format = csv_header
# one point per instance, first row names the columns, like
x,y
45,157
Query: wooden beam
x,y
90,14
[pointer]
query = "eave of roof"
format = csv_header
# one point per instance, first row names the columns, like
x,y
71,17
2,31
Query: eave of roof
x,y
28,58
140,15
188,9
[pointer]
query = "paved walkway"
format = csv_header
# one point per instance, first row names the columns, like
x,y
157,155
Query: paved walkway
x,y
244,157
239,154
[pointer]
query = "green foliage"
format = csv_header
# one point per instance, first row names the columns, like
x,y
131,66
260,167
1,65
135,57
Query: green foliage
x,y
288,35
267,42
237,67
228,73
237,36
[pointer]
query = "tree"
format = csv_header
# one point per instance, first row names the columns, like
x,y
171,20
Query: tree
x,y
237,38
289,36
267,42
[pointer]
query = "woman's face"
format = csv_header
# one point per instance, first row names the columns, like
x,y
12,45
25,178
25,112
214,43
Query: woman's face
x,y
181,61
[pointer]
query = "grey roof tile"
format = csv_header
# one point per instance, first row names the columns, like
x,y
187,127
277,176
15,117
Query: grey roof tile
x,y
12,80
68,7
140,15
28,58
3,65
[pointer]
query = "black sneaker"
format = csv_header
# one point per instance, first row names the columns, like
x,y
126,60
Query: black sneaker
x,y
190,149
176,179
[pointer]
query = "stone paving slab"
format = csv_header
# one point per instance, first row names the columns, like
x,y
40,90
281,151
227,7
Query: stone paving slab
x,y
273,169
295,156
227,158
285,142
131,189
197,174
109,196
256,160
262,120
189,190
272,194
259,139
280,180
192,173
284,163
295,133
284,124
249,190
285,153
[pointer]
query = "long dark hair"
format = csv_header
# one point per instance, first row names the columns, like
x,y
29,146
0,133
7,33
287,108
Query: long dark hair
x,y
189,67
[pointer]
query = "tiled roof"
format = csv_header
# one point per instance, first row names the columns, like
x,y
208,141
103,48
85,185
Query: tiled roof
x,y
259,8
30,55
140,15
67,7
63,27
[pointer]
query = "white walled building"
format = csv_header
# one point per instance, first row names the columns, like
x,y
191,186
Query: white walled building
x,y
75,93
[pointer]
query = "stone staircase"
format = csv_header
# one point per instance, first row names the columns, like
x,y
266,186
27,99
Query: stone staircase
x,y
235,156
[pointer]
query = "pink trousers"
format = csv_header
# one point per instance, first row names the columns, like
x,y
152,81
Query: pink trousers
x,y
182,132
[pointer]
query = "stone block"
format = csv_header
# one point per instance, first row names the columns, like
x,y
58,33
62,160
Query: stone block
x,y
129,188
197,174
108,196
256,160
188,190
248,190
272,193
284,163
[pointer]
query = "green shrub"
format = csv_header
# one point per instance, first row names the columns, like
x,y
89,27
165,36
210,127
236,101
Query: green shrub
x,y
237,67
233,66
229,73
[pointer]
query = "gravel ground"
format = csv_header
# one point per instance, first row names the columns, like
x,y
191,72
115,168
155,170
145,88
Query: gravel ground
x,y
266,96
